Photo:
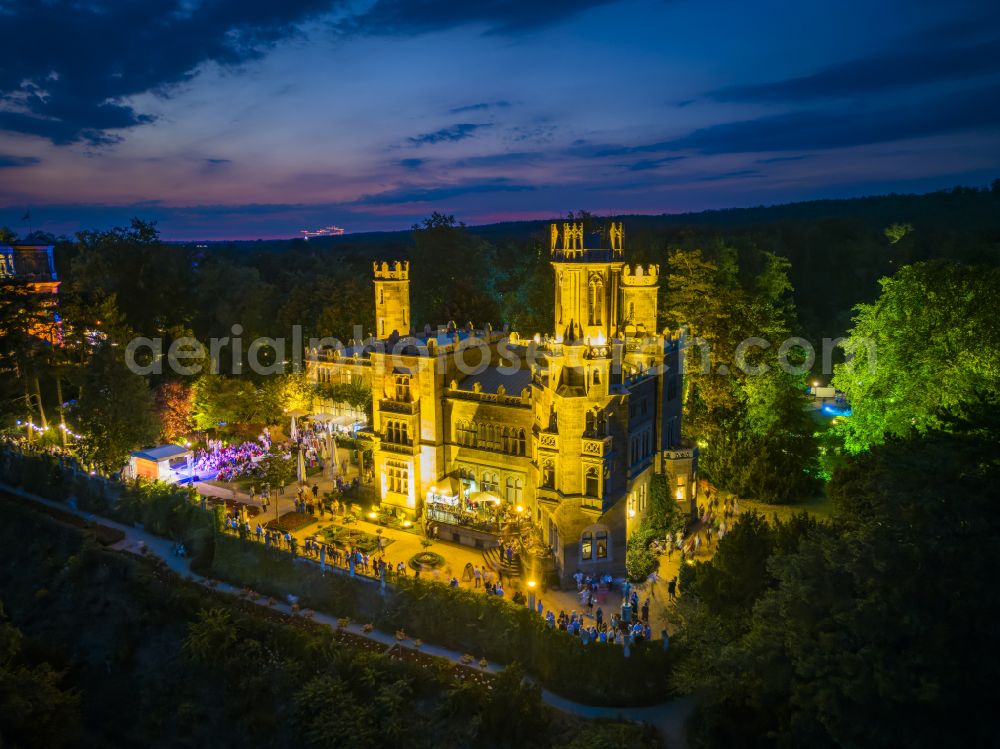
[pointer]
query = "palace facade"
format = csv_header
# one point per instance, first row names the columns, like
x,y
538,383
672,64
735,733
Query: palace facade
x,y
566,429
34,265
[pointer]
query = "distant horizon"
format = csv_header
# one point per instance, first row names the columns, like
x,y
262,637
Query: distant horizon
x,y
38,226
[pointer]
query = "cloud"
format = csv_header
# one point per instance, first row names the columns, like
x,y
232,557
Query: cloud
x,y
218,162
9,161
852,126
508,159
781,159
424,194
412,163
460,131
736,174
70,66
915,66
405,17
645,164
480,107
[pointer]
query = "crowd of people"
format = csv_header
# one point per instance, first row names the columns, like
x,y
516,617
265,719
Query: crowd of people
x,y
715,518
615,631
230,462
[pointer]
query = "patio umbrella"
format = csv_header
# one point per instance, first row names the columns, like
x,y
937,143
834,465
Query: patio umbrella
x,y
294,433
300,467
485,497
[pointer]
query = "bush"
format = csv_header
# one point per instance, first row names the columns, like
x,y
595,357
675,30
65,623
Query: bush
x,y
640,563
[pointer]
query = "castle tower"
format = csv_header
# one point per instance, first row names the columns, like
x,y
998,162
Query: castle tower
x,y
586,282
639,287
392,298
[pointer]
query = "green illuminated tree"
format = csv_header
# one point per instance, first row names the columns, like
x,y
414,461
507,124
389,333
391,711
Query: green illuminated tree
x,y
929,346
748,415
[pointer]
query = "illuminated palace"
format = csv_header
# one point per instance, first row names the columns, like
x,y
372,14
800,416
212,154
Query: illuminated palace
x,y
34,265
566,429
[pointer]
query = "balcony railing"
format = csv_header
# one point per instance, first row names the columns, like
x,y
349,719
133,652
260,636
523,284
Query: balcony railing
x,y
548,441
598,447
397,407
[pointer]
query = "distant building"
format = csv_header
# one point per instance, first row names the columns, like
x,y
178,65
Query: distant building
x,y
566,429
34,265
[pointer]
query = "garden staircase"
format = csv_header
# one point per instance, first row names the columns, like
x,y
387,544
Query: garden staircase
x,y
495,559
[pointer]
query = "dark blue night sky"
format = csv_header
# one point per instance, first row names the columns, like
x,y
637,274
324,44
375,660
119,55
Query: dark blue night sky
x,y
246,118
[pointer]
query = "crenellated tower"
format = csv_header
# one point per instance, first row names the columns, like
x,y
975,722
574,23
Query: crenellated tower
x,y
392,298
586,282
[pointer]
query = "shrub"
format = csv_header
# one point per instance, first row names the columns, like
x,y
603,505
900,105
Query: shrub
x,y
640,563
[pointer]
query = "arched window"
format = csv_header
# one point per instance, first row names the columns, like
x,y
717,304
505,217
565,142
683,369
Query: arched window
x,y
549,474
595,301
402,387
594,543
520,442
593,481
505,438
510,490
491,482
602,544
586,545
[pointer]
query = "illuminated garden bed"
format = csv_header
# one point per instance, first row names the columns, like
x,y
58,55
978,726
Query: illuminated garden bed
x,y
291,521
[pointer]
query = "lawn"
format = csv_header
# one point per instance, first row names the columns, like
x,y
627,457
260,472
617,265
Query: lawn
x,y
819,507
